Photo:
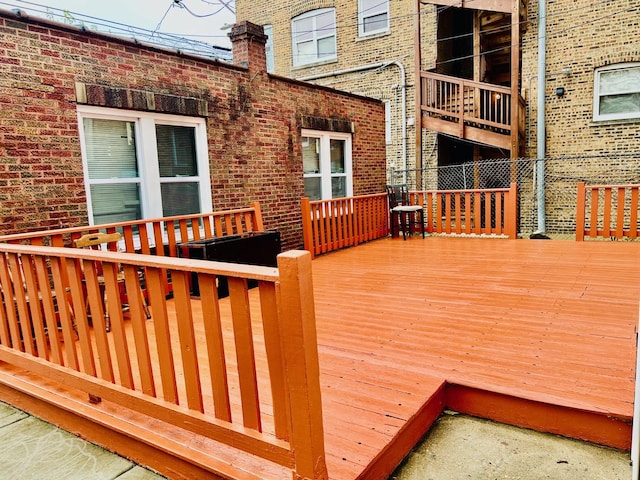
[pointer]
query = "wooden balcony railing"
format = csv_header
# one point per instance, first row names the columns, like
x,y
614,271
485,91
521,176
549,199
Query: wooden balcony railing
x,y
343,222
468,109
607,211
52,324
479,212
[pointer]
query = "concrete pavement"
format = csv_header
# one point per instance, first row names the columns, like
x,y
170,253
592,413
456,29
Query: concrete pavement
x,y
457,447
462,447
35,450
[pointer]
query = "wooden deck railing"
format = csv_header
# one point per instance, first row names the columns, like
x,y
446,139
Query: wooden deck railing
x,y
144,236
157,367
607,211
479,212
343,222
155,236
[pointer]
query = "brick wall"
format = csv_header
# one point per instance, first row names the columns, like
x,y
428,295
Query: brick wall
x,y
583,36
390,49
253,123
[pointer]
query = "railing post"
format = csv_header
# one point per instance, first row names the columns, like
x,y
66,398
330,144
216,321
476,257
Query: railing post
x,y
307,229
511,220
580,212
302,371
257,212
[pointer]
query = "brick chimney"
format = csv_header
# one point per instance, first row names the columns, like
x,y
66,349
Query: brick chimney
x,y
248,46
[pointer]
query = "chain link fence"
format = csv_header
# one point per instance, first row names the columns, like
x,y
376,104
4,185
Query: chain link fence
x,y
561,177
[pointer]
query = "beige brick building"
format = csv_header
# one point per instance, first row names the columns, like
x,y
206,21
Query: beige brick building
x,y
480,58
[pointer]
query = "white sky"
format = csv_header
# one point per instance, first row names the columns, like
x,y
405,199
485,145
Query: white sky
x,y
145,14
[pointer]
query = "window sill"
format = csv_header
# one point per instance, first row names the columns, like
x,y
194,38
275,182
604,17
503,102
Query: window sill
x,y
372,36
620,121
314,64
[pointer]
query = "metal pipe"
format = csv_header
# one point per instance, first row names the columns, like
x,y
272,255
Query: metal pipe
x,y
403,100
541,127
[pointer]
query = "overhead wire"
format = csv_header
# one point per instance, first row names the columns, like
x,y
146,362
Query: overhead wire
x,y
225,4
137,34
171,4
340,25
181,4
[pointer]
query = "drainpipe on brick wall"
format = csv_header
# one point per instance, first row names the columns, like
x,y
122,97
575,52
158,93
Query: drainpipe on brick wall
x,y
403,86
541,127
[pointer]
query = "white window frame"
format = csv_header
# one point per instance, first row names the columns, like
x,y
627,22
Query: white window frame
x,y
147,155
269,52
597,116
325,174
382,7
316,36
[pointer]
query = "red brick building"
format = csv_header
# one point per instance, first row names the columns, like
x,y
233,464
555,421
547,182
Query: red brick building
x,y
95,129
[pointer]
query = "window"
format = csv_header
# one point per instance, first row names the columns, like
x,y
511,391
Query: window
x,y
314,36
268,31
142,165
326,159
373,17
617,92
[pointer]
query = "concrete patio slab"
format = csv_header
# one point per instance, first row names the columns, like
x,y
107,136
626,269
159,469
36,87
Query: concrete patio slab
x,y
464,447
33,449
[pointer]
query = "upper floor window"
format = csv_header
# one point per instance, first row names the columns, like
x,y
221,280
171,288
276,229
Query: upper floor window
x,y
143,165
617,92
268,31
326,160
314,36
373,17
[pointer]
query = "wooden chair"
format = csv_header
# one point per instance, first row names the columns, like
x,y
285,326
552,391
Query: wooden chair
x,y
101,241
402,213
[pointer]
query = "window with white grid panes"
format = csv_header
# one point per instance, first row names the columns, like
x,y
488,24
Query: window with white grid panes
x,y
143,165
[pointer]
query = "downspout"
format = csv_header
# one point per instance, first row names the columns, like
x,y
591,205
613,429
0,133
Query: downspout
x,y
541,127
403,86
403,100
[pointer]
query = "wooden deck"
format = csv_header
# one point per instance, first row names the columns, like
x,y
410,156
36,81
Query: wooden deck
x,y
549,322
529,332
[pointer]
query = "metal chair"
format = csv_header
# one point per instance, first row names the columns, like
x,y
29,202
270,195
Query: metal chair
x,y
101,241
402,212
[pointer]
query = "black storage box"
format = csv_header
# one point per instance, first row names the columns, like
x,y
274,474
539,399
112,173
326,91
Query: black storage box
x,y
251,248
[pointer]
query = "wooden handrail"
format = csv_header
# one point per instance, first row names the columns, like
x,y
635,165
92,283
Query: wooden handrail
x,y
343,222
474,211
607,211
146,235
466,82
154,236
53,337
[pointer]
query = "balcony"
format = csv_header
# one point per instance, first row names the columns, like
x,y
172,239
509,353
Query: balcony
x,y
470,110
